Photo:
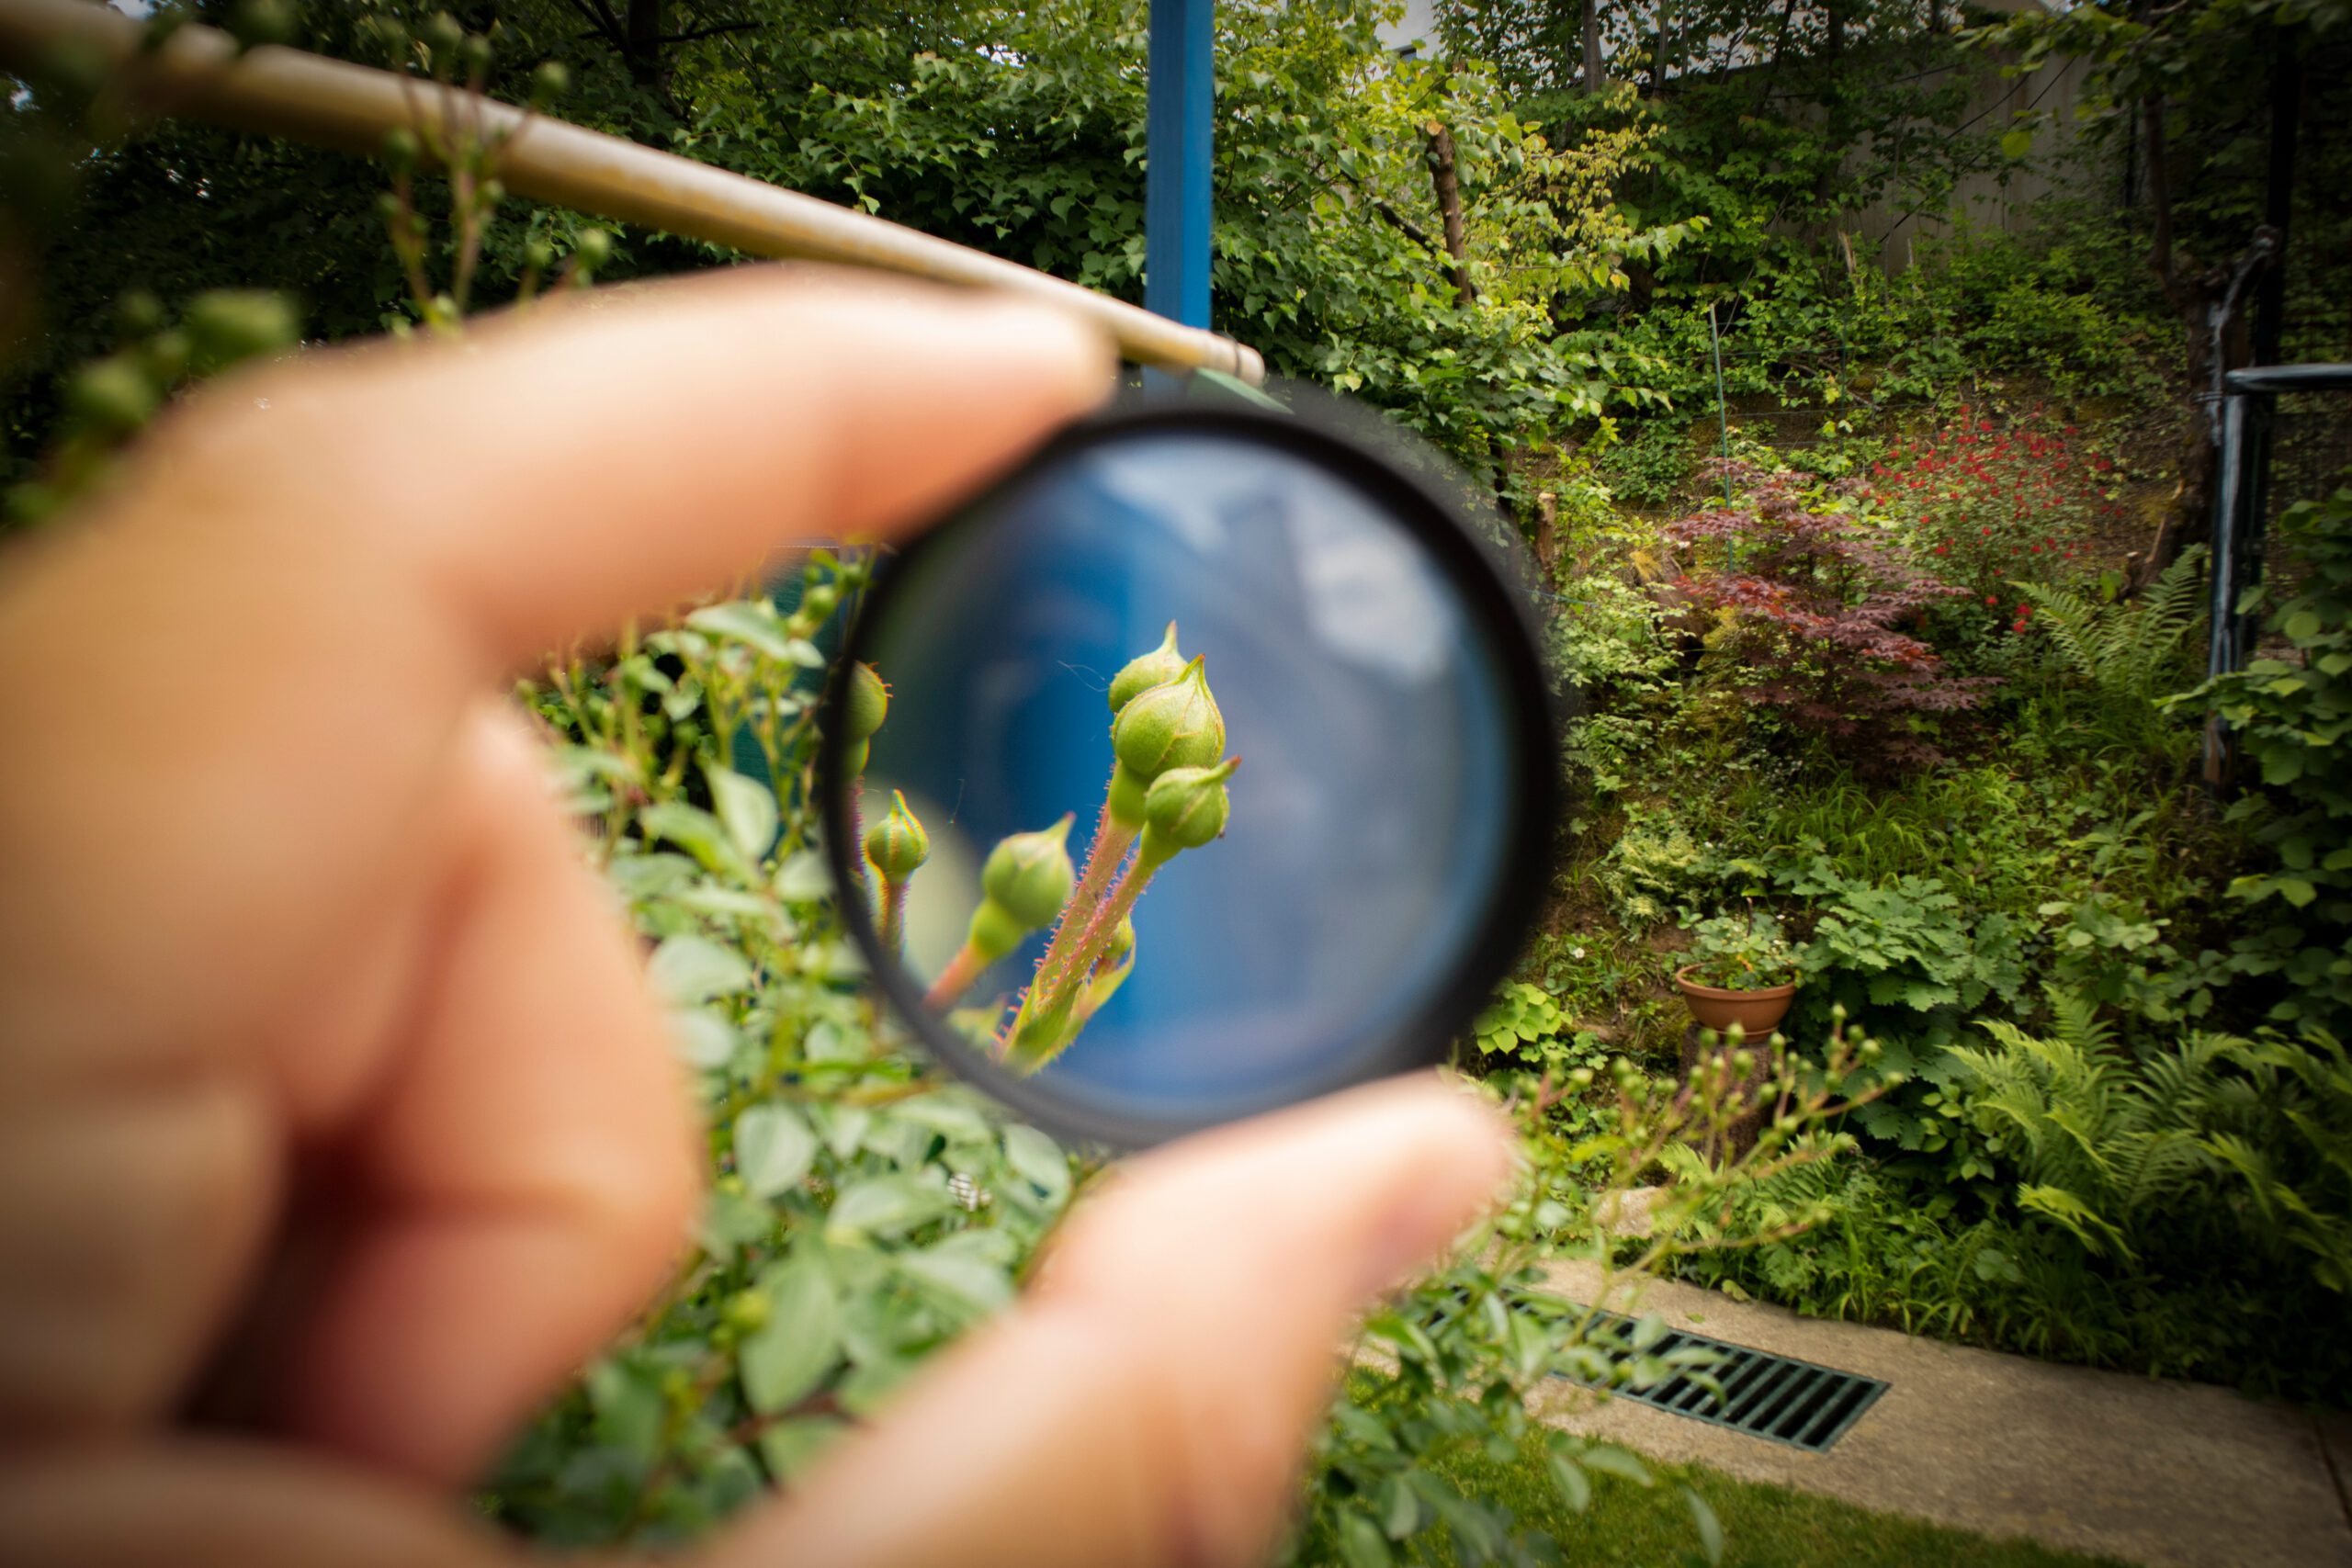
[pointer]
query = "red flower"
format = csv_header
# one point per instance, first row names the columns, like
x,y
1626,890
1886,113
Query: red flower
x,y
1988,532
1943,550
1992,598
2101,463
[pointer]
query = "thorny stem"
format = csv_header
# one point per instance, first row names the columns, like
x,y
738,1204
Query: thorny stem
x,y
894,914
1043,1003
957,979
1111,840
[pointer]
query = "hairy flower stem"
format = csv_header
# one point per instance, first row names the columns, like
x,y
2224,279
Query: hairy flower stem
x,y
893,923
1111,840
955,979
1102,928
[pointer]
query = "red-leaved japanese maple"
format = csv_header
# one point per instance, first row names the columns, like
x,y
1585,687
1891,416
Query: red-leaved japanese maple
x,y
1811,600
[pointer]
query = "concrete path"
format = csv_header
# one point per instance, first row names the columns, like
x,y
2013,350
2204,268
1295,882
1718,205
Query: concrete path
x,y
2174,1475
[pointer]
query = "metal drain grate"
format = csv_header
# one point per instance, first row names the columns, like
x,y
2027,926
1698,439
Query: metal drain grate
x,y
1777,1398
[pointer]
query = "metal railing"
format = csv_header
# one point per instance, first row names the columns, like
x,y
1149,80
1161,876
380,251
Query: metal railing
x,y
308,97
2248,411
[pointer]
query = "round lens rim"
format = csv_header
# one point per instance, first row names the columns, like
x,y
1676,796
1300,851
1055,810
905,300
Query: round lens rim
x,y
1444,525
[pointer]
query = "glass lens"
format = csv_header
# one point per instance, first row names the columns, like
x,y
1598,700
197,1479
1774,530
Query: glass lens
x,y
1254,879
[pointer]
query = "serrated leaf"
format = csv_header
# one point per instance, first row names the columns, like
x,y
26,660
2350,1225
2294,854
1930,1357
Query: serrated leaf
x,y
774,1149
686,969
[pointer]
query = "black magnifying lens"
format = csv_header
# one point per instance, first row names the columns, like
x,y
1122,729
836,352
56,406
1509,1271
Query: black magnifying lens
x,y
1204,765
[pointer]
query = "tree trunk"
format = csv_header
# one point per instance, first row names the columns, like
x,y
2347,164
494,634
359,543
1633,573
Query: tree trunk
x,y
642,51
1448,185
1595,78
2210,303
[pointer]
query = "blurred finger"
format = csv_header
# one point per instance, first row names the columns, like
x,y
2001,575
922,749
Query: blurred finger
x,y
1152,1402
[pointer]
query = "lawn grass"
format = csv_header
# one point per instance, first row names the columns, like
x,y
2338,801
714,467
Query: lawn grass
x,y
1627,1526
1764,1527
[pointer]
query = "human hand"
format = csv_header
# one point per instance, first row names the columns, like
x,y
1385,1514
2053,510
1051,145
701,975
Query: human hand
x,y
329,1062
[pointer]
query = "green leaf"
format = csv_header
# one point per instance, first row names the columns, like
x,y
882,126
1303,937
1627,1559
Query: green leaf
x,y
801,1341
1361,1544
751,622
962,1271
2016,144
686,969
746,809
883,1206
802,878
1617,1463
1038,1160
701,1039
1709,1529
1576,1487
788,1447
774,1149
698,834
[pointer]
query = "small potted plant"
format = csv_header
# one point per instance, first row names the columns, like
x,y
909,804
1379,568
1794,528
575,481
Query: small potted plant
x,y
1744,972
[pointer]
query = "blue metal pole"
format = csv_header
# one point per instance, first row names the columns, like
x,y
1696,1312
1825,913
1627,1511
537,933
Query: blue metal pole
x,y
1179,97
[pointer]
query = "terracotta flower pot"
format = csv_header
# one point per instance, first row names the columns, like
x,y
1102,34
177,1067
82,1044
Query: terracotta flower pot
x,y
1756,1013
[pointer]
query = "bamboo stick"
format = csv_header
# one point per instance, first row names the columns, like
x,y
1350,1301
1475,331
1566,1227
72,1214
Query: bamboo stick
x,y
290,92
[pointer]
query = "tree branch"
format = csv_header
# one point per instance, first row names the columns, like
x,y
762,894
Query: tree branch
x,y
712,30
601,18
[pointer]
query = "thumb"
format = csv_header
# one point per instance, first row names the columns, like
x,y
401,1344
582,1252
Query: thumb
x,y
1151,1402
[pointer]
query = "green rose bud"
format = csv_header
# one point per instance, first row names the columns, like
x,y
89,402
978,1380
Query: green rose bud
x,y
1158,666
747,1311
1173,725
1030,874
442,34
256,22
116,395
138,312
165,355
868,702
549,82
225,325
898,844
1186,808
595,248
1025,882
402,148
